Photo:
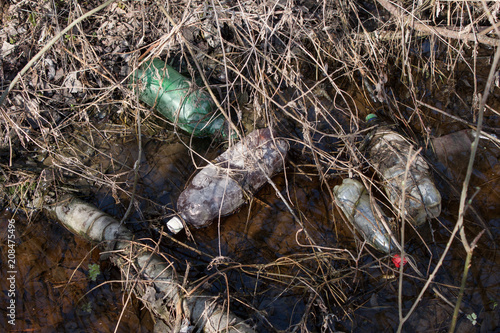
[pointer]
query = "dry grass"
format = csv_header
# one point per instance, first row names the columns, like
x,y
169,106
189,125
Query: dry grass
x,y
311,70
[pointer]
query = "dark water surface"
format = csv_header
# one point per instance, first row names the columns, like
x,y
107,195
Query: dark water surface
x,y
281,273
265,258
53,292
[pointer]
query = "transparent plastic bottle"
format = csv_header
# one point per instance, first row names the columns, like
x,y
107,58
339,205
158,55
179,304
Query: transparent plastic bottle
x,y
354,201
230,180
388,153
174,96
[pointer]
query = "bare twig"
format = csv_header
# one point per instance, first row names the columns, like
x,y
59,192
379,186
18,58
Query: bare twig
x,y
49,45
440,31
468,248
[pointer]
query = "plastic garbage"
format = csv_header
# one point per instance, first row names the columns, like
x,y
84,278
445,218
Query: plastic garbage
x,y
230,180
175,97
389,153
366,217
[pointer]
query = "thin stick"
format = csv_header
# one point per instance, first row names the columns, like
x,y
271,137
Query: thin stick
x,y
441,32
470,167
459,224
137,165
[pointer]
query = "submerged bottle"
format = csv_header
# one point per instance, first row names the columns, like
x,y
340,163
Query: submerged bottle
x,y
173,95
453,146
354,201
230,180
388,152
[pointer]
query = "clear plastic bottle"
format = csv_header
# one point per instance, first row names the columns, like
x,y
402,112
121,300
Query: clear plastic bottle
x,y
388,153
354,201
174,96
226,184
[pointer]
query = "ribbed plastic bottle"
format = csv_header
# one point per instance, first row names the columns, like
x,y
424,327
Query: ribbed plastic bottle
x,y
230,180
175,97
388,153
354,201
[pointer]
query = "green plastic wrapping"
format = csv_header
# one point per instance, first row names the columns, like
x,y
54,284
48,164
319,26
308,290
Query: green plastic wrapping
x,y
175,97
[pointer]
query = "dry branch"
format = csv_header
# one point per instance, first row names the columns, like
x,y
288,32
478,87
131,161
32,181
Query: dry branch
x,y
440,31
48,46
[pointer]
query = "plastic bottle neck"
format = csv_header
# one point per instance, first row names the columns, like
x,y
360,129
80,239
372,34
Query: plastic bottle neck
x,y
372,120
376,124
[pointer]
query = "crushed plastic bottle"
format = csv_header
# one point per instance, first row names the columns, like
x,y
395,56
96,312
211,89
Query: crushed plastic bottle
x,y
354,201
173,95
388,152
226,184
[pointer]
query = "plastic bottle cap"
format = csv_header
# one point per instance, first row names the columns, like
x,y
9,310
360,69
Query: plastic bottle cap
x,y
371,116
175,225
396,260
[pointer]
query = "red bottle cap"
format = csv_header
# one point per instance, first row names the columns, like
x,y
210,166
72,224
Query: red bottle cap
x,y
396,260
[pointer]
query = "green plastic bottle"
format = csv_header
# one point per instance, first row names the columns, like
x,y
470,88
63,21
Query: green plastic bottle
x,y
173,95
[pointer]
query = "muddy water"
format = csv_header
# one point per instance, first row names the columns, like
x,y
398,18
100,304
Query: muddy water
x,y
267,232
264,255
276,275
52,289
